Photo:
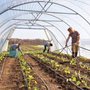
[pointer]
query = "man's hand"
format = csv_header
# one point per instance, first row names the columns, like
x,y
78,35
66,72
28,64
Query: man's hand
x,y
77,43
66,45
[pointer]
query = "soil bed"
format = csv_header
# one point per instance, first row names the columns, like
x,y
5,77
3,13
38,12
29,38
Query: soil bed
x,y
11,76
49,81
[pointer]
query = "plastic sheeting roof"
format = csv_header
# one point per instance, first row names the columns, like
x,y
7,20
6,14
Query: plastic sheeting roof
x,y
52,16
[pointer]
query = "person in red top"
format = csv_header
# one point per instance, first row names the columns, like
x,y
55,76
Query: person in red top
x,y
75,41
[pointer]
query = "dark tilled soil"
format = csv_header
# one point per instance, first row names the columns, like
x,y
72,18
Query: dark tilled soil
x,y
11,78
50,82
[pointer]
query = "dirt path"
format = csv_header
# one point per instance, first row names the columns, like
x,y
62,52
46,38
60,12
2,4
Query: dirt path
x,y
11,78
52,85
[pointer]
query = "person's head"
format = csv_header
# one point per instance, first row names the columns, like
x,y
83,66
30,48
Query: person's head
x,y
70,30
18,44
51,44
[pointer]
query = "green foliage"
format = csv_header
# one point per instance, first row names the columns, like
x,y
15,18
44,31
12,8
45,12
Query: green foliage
x,y
35,88
78,83
73,62
72,75
28,73
2,55
67,70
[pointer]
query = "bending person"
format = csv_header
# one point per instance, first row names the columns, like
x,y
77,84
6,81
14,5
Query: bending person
x,y
47,47
14,49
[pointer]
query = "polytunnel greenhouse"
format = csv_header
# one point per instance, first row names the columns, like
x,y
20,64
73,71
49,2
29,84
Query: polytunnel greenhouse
x,y
25,26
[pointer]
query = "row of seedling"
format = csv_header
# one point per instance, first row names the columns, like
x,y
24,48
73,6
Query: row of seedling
x,y
74,76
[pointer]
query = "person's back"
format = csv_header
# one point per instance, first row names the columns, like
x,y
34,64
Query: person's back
x,y
13,52
13,47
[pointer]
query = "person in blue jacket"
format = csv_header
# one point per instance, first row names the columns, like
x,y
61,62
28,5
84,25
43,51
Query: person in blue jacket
x,y
13,52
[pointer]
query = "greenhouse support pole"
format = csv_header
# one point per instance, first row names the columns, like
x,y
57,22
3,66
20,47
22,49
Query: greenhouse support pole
x,y
5,47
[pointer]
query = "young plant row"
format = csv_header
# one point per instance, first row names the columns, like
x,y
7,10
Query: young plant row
x,y
61,59
2,56
75,76
31,82
71,61
68,56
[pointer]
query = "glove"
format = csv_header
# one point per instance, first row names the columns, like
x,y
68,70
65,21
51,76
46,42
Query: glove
x,y
66,45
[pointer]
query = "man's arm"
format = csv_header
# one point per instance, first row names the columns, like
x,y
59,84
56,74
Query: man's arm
x,y
67,40
19,48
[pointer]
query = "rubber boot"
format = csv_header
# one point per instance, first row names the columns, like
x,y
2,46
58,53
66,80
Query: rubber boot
x,y
73,55
84,88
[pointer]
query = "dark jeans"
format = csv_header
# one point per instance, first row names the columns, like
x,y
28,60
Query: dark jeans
x,y
45,48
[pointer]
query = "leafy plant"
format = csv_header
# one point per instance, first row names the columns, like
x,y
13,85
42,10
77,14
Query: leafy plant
x,y
73,62
28,73
67,70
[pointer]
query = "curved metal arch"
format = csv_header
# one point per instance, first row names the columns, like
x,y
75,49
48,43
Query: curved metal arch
x,y
83,28
84,3
43,21
6,21
8,27
54,25
50,23
5,39
78,7
50,32
28,13
20,5
59,19
39,25
44,28
51,3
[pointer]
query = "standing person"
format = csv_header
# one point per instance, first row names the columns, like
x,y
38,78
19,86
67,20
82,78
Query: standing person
x,y
75,41
13,52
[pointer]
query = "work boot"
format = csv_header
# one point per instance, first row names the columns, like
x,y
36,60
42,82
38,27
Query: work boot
x,y
73,55
84,88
